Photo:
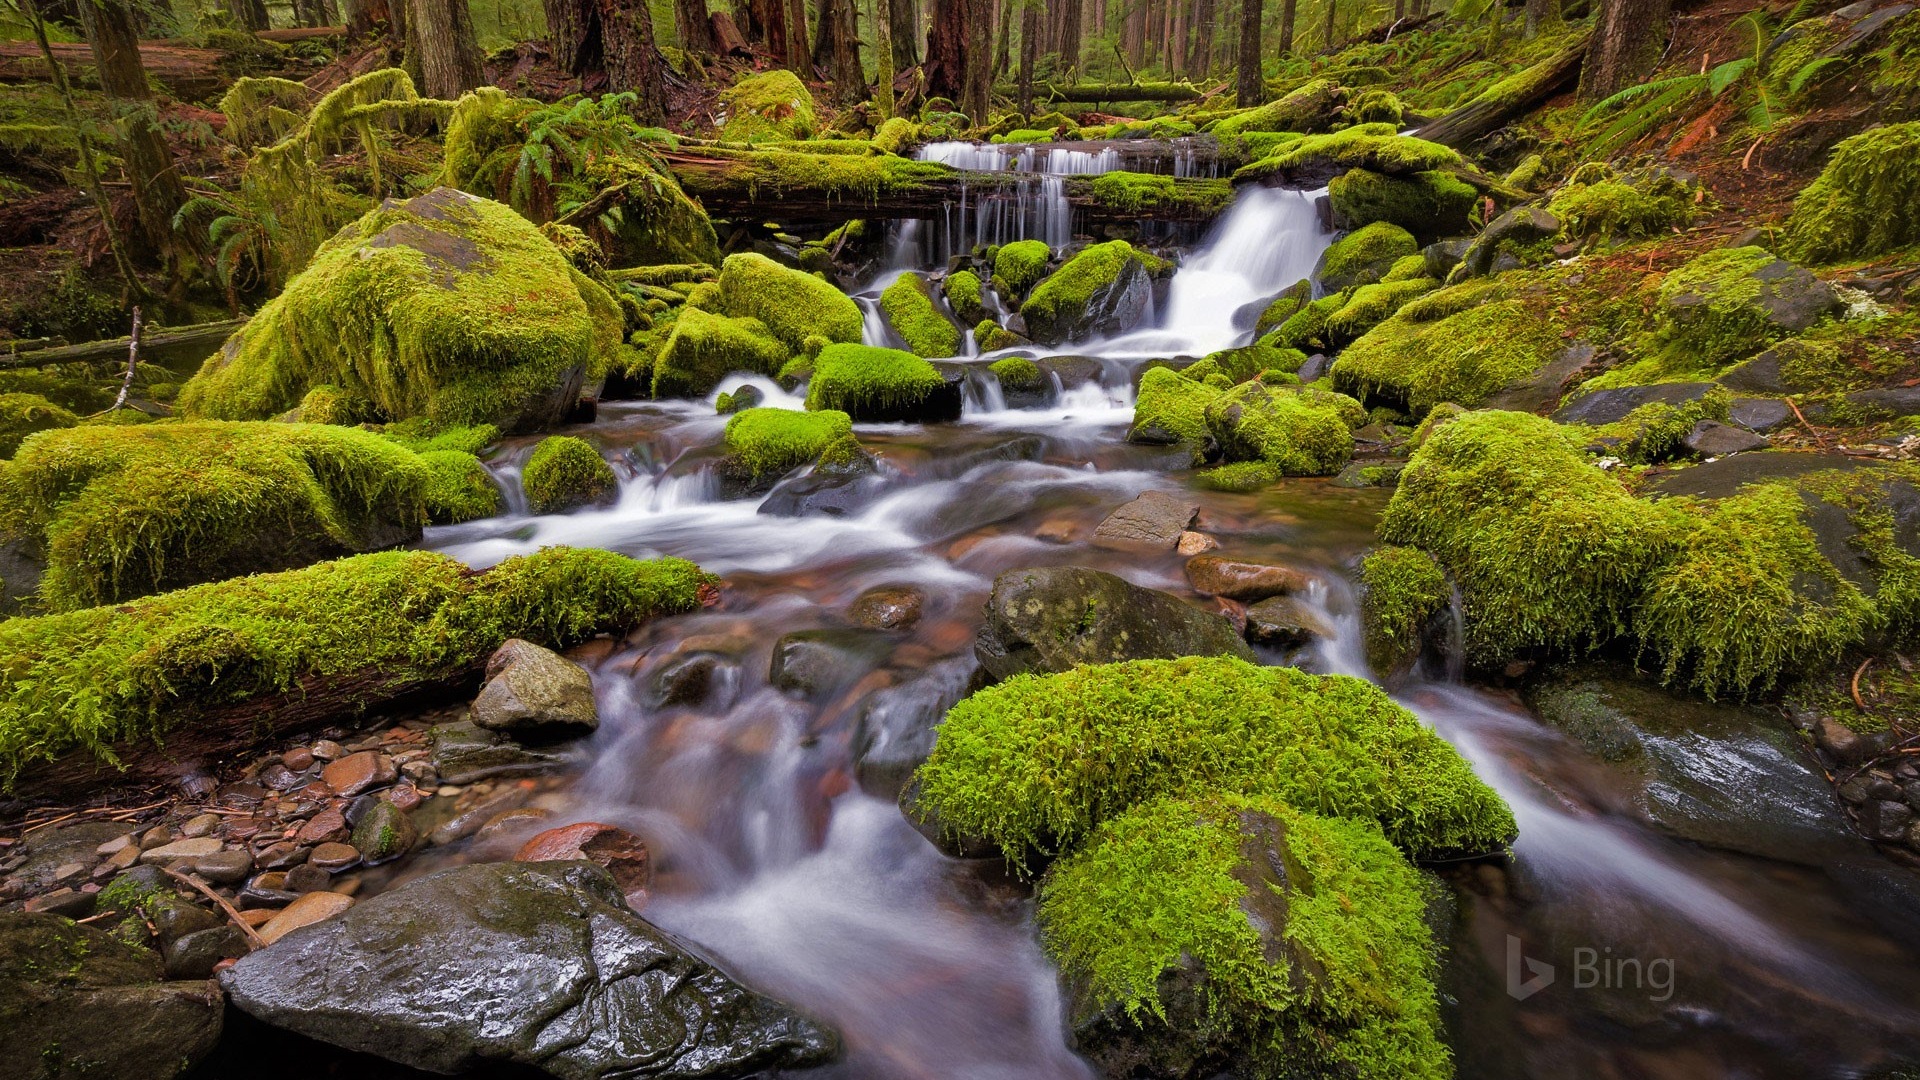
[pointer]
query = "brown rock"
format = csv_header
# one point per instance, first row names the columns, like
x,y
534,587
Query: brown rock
x,y
334,856
307,878
229,867
1195,543
357,772
1237,580
1840,742
299,759
258,917
468,822
1284,621
328,750
327,826
68,902
405,796
888,607
623,854
180,849
504,832
1155,519
309,909
1057,531
280,856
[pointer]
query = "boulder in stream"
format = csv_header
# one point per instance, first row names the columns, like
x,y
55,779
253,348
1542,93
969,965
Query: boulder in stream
x,y
534,691
1102,290
535,965
1053,618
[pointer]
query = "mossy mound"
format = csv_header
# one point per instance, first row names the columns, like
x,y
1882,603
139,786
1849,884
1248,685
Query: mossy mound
x,y
1019,266
964,296
1036,763
329,404
771,105
766,443
794,306
1865,202
702,348
459,488
23,414
565,472
1373,147
106,677
1239,365
1370,305
1727,305
1305,936
446,306
896,135
1633,208
1401,589
1171,408
1158,191
1462,356
1019,374
1309,107
1239,476
1103,289
1307,326
1283,307
1365,255
990,336
1298,430
910,310
873,384
124,511
1430,205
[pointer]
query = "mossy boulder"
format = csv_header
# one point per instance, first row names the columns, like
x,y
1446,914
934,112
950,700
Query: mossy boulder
x,y
874,385
1461,344
446,306
793,305
764,444
1401,590
1023,383
1522,236
23,414
1632,207
703,348
1430,205
910,309
1377,148
1102,290
118,512
1864,202
1275,312
1038,763
1312,106
1171,408
1370,305
1365,255
1019,266
966,296
1053,618
1728,304
1241,936
770,105
1299,430
565,473
459,488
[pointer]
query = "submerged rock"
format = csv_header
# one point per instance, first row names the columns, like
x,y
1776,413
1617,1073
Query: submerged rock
x,y
1056,617
814,663
538,965
899,725
1154,519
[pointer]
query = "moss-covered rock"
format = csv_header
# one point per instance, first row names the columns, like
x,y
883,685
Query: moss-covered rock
x,y
1365,255
1401,590
1019,266
990,336
1864,202
1370,305
872,384
1037,763
764,444
23,414
565,472
446,305
1306,328
1629,208
1122,190
1731,303
459,488
1310,107
109,677
1171,408
1376,148
1104,289
1275,312
910,310
770,105
1428,352
1430,205
1298,430
703,348
793,305
965,297
1229,933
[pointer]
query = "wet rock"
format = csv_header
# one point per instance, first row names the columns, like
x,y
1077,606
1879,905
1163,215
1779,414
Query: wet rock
x,y
228,867
1885,820
1194,543
1237,579
464,752
503,833
532,691
1051,618
1760,414
1720,775
280,856
1886,401
75,1001
327,826
180,849
1517,227
1366,474
1710,438
621,854
334,856
1155,519
195,955
305,910
468,821
1841,743
888,607
299,759
815,663
688,679
385,833
357,772
50,849
1284,622
307,877
69,902
1441,257
899,724
605,994
200,825
835,490
1608,406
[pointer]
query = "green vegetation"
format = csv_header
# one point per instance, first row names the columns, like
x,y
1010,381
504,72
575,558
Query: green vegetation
x,y
771,105
1019,266
458,488
1284,307
1863,202
1019,374
105,677
771,442
964,296
793,306
703,348
1298,430
864,380
1462,358
565,472
1239,476
1371,305
1719,308
1303,109
1373,147
1171,406
1039,762
1156,191
1365,255
1401,588
1610,210
1056,306
909,307
23,414
1429,204
1652,432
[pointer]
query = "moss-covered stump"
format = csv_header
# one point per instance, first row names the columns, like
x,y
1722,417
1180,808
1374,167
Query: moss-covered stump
x,y
876,385
910,309
703,348
1237,935
1376,148
1102,290
794,306
1365,255
1037,763
1430,205
1299,430
765,444
1401,590
123,511
153,685
23,414
446,306
770,105
565,473
1019,266
1865,202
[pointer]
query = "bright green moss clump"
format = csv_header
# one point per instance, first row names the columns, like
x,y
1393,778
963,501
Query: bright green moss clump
x,y
1401,589
1717,305
1612,210
125,511
1373,147
23,414
1298,430
1018,373
908,304
1039,762
1307,108
1057,309
104,677
964,297
1463,357
773,104
771,442
1428,204
446,306
458,488
1371,305
1865,202
865,381
793,305
565,472
1158,191
1182,884
1171,408
702,348
1365,255
1020,265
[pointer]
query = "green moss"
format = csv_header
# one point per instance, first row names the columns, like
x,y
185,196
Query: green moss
x,y
1653,432
1158,191
421,435
329,404
964,296
1430,204
1864,201
1548,550
105,677
125,511
794,306
772,104
1021,265
1018,373
444,306
1307,327
1026,135
1376,106
1171,406
1245,362
702,348
23,414
1406,268
1371,305
771,442
1365,255
1299,430
864,380
458,488
1284,307
908,304
1039,762
564,472
1401,588
1715,310
1303,109
1164,887
1463,358
990,336
1611,210
1238,476
1056,303
896,135
1373,147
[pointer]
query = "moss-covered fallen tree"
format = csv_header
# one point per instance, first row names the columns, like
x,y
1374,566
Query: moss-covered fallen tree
x,y
153,686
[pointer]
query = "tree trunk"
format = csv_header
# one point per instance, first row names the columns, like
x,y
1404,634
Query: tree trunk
x,y
884,71
1072,26
1542,15
573,33
247,14
1628,39
1252,88
1029,54
1288,10
836,47
946,47
1003,51
1333,8
157,189
797,56
903,18
449,57
694,26
1200,55
364,16
978,87
632,61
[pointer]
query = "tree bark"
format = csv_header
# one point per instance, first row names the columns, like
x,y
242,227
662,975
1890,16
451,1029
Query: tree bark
x,y
836,47
946,46
157,189
1289,9
1072,28
1003,52
795,54
694,27
632,61
449,57
1200,53
1252,89
978,87
1541,15
884,71
247,14
903,17
573,33
1029,54
1628,39
1333,8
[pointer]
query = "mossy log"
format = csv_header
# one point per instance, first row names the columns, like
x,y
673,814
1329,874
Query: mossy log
x,y
1094,93
198,340
1509,98
188,71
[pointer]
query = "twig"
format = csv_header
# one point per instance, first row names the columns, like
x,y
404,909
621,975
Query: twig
x,y
133,358
1747,161
96,918
1857,672
207,890
1803,419
50,821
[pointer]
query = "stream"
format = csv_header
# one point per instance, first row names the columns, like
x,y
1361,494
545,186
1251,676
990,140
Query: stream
x,y
787,862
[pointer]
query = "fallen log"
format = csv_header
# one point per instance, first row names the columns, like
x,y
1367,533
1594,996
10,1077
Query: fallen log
x,y
1511,97
157,344
188,71
1094,93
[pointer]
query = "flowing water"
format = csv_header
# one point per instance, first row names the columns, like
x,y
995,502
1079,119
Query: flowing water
x,y
779,862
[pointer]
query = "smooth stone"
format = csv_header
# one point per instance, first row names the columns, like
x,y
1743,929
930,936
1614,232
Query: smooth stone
x,y
816,663
898,725
280,856
1760,414
1283,622
200,826
1051,618
229,867
888,607
504,832
334,856
305,910
180,849
1710,438
1195,543
1154,519
384,834
307,878
1612,405
327,826
535,691
195,955
621,854
1237,579
688,678
359,771
467,822
464,752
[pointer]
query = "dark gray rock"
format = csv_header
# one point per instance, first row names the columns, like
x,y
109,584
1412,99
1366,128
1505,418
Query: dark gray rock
x,y
1154,519
690,678
1315,367
816,663
834,490
538,965
1520,225
898,725
1284,622
464,752
1888,401
1049,619
533,691
197,954
1608,406
1718,479
1885,820
1788,298
1443,256
1542,389
1710,438
1760,414
50,849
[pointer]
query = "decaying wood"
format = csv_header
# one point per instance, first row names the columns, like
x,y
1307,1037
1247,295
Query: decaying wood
x,y
1094,93
1508,99
188,71
209,336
